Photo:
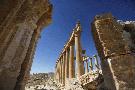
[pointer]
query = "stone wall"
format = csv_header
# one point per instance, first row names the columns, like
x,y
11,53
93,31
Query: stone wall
x,y
20,28
115,45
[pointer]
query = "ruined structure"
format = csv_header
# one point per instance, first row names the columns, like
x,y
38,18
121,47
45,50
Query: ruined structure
x,y
115,42
76,73
21,22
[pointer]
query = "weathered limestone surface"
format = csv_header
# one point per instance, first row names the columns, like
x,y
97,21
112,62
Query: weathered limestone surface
x,y
115,44
20,29
73,84
63,70
71,63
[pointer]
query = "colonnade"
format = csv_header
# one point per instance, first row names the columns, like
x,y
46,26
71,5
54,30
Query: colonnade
x,y
91,63
65,65
69,65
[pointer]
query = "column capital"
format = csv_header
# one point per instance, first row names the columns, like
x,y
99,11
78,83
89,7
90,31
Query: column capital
x,y
78,26
71,43
77,33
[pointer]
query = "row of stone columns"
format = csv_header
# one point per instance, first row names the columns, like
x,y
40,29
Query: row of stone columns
x,y
90,64
66,64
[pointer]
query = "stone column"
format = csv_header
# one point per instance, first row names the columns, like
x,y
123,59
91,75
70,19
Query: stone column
x,y
71,62
96,62
61,65
27,63
79,61
16,33
67,64
59,72
59,75
87,67
91,65
117,63
56,71
63,74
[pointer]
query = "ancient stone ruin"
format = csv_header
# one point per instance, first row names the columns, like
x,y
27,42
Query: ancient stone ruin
x,y
20,25
65,66
115,43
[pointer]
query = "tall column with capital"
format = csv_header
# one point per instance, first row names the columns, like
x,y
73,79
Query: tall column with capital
x,y
79,61
71,62
67,64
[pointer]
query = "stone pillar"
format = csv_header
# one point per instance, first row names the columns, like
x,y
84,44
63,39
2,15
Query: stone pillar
x,y
67,65
61,65
117,63
59,71
79,61
56,72
59,75
16,34
63,74
71,62
87,66
27,63
96,62
91,65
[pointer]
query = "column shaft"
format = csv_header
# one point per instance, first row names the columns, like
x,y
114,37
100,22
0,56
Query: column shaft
x,y
71,63
96,62
91,65
63,76
61,70
87,68
67,65
79,61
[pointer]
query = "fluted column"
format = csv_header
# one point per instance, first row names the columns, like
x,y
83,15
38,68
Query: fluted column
x,y
79,61
63,70
67,65
71,62
87,68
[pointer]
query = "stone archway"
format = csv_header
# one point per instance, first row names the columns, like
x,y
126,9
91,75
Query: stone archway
x,y
20,28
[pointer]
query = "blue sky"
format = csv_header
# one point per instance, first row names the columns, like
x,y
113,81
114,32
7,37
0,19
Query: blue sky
x,y
64,17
